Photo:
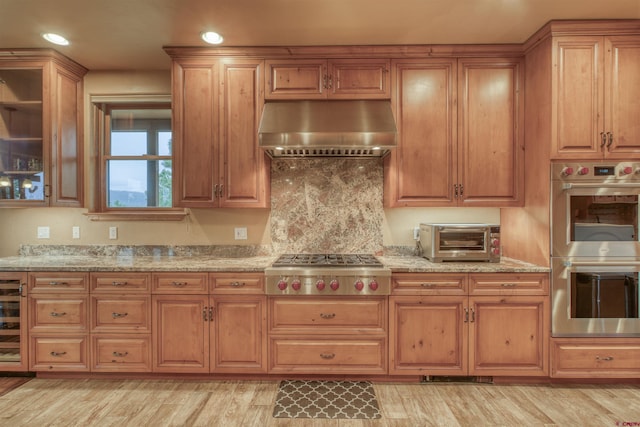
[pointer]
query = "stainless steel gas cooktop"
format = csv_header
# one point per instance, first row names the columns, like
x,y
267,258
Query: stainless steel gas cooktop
x,y
328,274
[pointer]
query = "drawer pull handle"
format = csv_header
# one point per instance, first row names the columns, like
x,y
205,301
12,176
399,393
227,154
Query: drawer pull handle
x,y
509,285
58,354
56,314
119,283
179,284
327,315
606,358
427,285
327,355
53,283
117,315
118,354
236,284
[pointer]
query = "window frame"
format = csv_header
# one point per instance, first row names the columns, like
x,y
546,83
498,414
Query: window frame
x,y
102,105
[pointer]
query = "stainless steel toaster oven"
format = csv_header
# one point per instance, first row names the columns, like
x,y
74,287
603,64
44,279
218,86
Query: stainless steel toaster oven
x,y
460,242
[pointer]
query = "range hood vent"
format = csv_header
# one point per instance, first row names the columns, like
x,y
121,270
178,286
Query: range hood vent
x,y
327,129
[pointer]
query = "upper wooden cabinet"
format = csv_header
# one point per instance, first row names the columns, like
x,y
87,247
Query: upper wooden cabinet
x,y
41,144
321,79
460,133
216,111
596,85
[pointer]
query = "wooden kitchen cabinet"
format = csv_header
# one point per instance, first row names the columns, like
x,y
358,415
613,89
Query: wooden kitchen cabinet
x,y
437,331
596,85
595,357
460,133
217,106
59,321
13,322
120,322
310,335
41,131
327,79
203,333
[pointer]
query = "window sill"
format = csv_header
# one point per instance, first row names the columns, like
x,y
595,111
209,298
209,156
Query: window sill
x,y
173,215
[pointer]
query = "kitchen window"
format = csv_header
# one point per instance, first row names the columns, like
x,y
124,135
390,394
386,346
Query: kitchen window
x,y
134,162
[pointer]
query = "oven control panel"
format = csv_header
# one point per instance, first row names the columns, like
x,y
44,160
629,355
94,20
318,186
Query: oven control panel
x,y
596,171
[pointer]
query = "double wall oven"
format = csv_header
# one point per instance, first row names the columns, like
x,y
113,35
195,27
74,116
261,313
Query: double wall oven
x,y
595,248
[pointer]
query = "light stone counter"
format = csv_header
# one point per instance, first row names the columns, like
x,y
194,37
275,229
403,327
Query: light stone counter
x,y
414,264
397,264
134,263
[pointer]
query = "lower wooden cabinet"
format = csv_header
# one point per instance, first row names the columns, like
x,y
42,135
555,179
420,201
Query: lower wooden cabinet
x,y
59,353
121,353
595,357
220,333
432,333
325,335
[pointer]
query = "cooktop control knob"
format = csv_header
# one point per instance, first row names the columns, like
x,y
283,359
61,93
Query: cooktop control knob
x,y
566,171
282,284
627,170
320,285
583,170
296,285
334,284
359,285
373,285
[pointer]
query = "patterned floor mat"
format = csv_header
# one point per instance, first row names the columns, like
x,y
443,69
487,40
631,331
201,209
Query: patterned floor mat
x,y
326,399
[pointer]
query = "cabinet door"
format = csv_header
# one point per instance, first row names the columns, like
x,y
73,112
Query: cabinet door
x,y
359,79
422,169
238,340
490,132
180,333
295,79
243,166
577,97
67,152
195,135
427,335
509,336
621,96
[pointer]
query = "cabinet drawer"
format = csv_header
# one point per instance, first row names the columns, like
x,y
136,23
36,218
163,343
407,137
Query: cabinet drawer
x,y
322,355
118,283
328,315
113,353
180,283
230,283
509,284
60,353
58,313
58,282
121,314
429,284
595,358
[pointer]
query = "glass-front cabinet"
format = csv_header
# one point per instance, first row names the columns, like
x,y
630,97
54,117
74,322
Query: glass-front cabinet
x,y
40,129
13,322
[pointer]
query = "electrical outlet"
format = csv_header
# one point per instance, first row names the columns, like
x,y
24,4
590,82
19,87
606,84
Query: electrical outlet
x,y
43,232
241,233
416,233
113,233
75,232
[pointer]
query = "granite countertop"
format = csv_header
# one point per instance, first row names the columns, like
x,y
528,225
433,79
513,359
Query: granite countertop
x,y
397,263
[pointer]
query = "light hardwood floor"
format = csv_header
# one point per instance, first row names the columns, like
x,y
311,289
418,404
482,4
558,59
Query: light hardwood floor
x,y
97,402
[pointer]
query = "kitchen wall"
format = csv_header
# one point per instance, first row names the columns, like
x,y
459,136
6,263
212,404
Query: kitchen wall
x,y
318,205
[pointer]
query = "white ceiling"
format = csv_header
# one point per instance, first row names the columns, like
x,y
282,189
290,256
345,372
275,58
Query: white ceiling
x,y
130,34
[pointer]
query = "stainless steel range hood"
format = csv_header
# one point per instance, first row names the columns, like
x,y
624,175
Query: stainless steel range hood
x,y
327,128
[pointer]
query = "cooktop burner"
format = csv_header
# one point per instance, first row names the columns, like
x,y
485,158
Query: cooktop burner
x,y
327,260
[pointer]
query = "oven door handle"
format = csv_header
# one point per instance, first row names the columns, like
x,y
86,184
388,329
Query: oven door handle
x,y
601,263
570,185
462,228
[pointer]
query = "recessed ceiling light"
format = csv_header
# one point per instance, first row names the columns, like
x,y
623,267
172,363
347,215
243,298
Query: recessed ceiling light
x,y
55,38
212,37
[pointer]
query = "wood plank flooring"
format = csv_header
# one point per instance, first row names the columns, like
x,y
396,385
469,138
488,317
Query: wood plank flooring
x,y
99,402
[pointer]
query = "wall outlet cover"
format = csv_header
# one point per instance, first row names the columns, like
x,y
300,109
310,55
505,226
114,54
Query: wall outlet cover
x,y
241,233
43,232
